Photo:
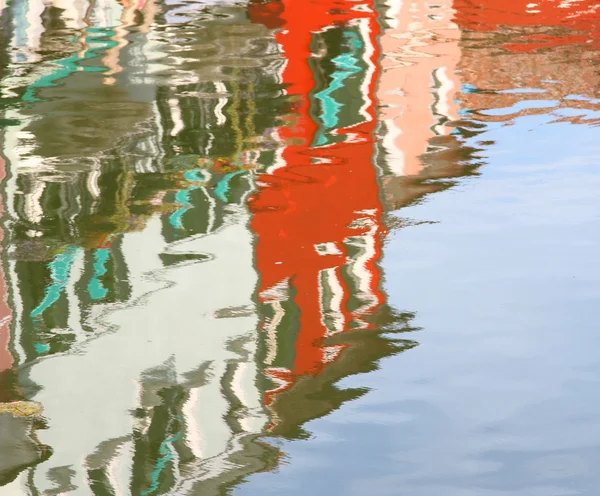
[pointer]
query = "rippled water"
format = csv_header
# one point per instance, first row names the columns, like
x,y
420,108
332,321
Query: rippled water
x,y
325,247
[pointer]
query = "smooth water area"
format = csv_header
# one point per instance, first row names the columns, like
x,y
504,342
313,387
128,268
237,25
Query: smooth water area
x,y
329,247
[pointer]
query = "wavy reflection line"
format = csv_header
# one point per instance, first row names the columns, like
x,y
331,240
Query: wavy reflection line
x,y
69,65
95,288
60,269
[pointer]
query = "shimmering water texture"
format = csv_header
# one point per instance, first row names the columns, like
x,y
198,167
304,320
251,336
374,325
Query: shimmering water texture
x,y
326,247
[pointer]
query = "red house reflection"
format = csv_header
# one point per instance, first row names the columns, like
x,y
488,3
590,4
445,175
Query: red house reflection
x,y
317,212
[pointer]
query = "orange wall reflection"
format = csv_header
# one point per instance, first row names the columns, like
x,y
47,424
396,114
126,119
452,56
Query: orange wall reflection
x,y
317,214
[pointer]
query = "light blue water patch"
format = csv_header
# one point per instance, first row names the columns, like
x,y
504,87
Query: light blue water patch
x,y
522,90
583,114
20,11
468,88
522,105
541,147
95,288
595,101
60,268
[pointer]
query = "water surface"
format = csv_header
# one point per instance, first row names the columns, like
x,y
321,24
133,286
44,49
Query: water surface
x,y
324,247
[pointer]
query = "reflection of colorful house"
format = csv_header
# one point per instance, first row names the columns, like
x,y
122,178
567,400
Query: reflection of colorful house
x,y
418,82
14,431
212,109
580,19
545,50
90,113
317,213
56,293
171,376
70,206
180,409
98,16
66,252
421,128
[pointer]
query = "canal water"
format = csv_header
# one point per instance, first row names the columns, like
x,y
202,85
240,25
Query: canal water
x,y
326,247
